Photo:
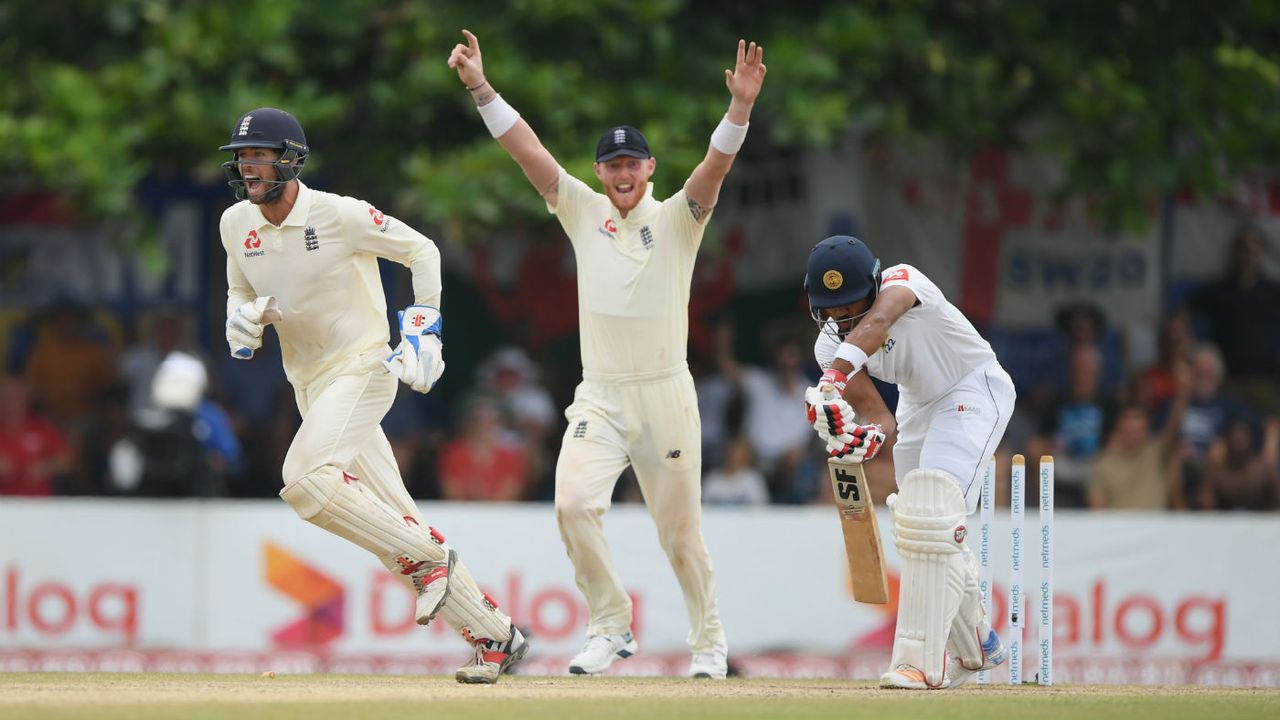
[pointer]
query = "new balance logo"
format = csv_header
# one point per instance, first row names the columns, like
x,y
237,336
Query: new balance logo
x,y
673,454
580,430
310,239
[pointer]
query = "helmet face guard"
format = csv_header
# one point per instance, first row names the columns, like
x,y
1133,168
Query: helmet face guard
x,y
288,168
266,128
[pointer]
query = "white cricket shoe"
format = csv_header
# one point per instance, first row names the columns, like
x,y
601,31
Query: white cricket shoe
x,y
600,652
907,677
713,664
492,658
432,583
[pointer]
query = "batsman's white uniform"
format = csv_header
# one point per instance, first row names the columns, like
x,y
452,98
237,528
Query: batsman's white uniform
x,y
636,404
321,266
954,403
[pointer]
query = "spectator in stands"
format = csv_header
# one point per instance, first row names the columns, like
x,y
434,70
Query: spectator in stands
x,y
1238,474
737,483
1073,427
33,453
484,462
780,435
719,399
1156,385
181,445
1204,422
70,367
1135,471
1241,311
160,333
511,376
1083,325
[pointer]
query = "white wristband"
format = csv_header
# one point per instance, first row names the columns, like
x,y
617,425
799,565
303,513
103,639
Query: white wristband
x,y
853,355
728,137
498,116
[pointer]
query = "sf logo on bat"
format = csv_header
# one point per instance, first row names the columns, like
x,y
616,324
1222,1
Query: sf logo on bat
x,y
848,493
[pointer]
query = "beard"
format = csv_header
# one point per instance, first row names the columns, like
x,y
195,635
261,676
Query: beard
x,y
632,199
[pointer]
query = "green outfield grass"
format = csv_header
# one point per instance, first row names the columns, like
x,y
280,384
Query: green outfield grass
x,y
45,696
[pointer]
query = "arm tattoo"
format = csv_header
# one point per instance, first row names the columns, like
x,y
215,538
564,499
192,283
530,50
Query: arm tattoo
x,y
699,212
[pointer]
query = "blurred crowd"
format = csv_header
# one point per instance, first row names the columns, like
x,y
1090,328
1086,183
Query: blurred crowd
x,y
90,407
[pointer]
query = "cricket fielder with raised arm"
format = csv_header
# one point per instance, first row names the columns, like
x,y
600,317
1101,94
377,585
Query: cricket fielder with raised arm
x,y
305,261
636,403
953,405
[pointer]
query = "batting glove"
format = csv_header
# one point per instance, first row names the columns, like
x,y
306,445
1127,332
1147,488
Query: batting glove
x,y
419,360
828,413
246,324
858,445
834,379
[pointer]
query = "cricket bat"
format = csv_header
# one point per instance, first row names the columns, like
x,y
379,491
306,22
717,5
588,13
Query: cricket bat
x,y
861,534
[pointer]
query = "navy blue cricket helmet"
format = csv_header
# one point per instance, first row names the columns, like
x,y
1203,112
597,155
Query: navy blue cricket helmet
x,y
841,271
267,128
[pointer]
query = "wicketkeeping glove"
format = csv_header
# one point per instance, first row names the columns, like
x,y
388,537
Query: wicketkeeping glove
x,y
419,360
246,324
858,445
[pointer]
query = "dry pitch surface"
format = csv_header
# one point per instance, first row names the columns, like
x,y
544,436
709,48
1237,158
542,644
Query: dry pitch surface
x,y
41,696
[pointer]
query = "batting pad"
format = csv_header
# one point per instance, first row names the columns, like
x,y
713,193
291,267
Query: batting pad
x,y
470,612
928,528
333,500
970,626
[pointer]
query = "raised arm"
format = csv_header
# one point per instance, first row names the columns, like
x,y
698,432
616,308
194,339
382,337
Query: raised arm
x,y
504,123
744,81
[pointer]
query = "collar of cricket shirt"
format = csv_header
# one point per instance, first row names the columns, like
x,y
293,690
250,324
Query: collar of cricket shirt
x,y
297,216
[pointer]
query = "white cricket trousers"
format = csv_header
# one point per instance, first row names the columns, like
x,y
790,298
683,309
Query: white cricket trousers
x,y
958,432
341,416
652,424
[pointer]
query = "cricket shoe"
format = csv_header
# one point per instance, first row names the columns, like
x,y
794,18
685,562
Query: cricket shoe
x,y
993,653
713,665
907,677
600,652
432,584
492,658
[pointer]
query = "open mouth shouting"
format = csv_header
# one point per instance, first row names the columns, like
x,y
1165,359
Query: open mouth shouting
x,y
253,185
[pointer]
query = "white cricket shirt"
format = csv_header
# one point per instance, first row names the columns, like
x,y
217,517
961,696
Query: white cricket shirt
x,y
633,279
321,266
929,349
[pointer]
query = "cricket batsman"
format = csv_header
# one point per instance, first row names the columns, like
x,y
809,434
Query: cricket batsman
x,y
954,403
305,261
636,403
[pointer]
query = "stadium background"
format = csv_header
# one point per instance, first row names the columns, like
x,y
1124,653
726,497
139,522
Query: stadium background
x,y
1092,184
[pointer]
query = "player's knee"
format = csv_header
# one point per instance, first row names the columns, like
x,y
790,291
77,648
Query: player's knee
x,y
311,493
928,515
573,508
681,543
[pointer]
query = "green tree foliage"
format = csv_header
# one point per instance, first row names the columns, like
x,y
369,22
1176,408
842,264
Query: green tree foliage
x,y
1133,98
